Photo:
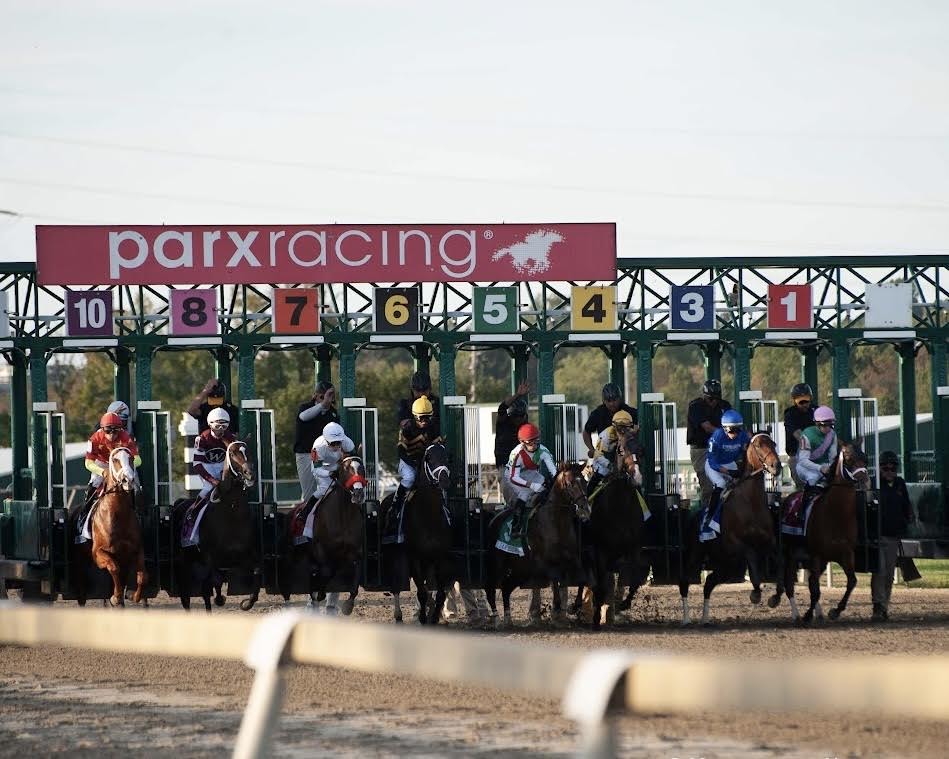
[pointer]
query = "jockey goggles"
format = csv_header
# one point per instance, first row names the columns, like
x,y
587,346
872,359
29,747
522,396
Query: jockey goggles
x,y
110,430
825,424
729,428
532,441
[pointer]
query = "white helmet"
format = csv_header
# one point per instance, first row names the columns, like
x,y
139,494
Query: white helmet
x,y
120,408
334,433
219,415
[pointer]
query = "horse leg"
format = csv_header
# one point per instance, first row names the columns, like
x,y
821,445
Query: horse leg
x,y
780,561
507,586
848,568
813,585
421,592
207,587
140,576
533,614
441,582
754,574
217,583
710,584
578,601
105,561
790,578
248,603
347,606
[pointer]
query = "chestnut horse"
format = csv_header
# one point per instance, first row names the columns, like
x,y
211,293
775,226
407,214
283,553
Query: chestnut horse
x,y
831,536
748,535
338,536
552,539
116,544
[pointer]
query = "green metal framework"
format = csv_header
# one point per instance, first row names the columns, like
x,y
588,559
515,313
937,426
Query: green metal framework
x,y
37,323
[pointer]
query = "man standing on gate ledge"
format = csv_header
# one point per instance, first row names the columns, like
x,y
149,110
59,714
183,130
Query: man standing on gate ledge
x,y
704,417
602,416
896,514
797,418
211,397
312,417
512,413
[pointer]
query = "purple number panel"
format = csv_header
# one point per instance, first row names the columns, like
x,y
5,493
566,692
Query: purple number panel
x,y
89,313
194,312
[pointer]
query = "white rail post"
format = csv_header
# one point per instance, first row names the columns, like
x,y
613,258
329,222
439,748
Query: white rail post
x,y
265,654
591,694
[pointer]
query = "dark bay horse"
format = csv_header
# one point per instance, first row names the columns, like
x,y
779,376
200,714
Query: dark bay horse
x,y
552,539
831,536
338,535
616,532
116,544
227,536
748,533
424,556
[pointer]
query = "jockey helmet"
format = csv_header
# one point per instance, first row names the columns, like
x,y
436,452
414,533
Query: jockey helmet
x,y
333,433
611,392
824,414
622,419
527,432
801,390
712,387
120,408
111,419
218,420
731,419
517,408
422,407
421,382
889,457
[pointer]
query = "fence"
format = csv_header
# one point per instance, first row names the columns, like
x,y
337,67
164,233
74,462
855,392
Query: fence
x,y
592,685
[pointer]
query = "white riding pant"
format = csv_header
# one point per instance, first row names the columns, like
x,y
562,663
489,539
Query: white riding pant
x,y
718,479
215,470
513,491
807,475
601,465
407,474
305,475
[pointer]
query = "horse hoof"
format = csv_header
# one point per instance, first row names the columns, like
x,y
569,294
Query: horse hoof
x,y
221,600
247,604
774,601
398,620
114,602
834,614
533,619
755,597
624,605
346,607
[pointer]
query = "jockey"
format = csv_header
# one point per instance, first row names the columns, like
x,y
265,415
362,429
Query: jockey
x,y
623,429
121,408
108,437
818,450
328,450
210,450
530,469
725,448
415,435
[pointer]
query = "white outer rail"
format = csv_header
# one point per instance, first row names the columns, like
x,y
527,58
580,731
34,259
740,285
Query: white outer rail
x,y
592,684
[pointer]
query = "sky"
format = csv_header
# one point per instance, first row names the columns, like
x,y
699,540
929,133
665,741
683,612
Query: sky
x,y
727,128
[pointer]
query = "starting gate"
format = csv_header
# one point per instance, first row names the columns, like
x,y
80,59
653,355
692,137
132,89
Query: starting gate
x,y
860,420
261,432
762,416
362,425
565,425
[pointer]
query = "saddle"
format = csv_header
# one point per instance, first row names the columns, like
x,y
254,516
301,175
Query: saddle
x,y
798,510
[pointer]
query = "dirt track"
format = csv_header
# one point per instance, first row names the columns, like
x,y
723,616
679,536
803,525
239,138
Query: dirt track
x,y
56,700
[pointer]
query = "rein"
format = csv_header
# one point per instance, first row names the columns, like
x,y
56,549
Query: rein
x,y
116,473
433,473
355,478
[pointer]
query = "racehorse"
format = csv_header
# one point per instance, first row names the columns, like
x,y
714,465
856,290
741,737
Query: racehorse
x,y
552,539
227,535
424,556
116,544
337,545
831,536
616,530
747,535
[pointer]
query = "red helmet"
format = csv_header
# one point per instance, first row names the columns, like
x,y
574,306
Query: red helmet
x,y
528,432
111,419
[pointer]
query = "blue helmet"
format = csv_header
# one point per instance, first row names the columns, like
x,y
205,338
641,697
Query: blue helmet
x,y
732,418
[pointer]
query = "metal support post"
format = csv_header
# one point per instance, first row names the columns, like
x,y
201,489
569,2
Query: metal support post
x,y
809,357
143,374
643,367
423,358
122,379
520,354
840,376
907,355
940,379
713,360
247,383
19,427
324,363
222,357
347,377
545,381
617,355
446,372
38,435
742,369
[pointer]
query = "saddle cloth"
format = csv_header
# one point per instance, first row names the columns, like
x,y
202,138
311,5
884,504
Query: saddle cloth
x,y
192,522
392,530
302,519
713,528
795,517
506,541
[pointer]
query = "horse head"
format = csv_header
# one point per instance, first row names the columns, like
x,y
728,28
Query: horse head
x,y
570,487
851,465
762,455
628,460
121,472
435,465
352,476
237,467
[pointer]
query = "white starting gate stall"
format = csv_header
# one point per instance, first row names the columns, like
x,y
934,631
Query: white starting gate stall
x,y
761,415
565,425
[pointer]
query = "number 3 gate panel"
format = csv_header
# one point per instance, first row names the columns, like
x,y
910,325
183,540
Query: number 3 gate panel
x,y
662,482
465,504
860,423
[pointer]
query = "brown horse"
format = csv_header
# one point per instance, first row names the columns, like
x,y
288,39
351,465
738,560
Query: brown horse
x,y
338,535
747,536
228,536
831,536
616,530
552,539
116,534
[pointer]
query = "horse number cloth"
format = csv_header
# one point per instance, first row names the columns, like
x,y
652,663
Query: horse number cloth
x,y
796,516
506,541
192,522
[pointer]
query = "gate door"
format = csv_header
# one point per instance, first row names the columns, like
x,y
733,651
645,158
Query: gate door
x,y
861,421
153,433
261,434
762,416
362,425
49,468
564,427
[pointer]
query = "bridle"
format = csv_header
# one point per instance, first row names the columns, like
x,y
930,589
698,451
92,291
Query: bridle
x,y
239,471
574,491
753,445
354,479
119,467
433,473
849,476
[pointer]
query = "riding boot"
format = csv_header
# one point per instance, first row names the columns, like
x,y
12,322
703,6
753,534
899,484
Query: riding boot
x,y
518,526
395,508
595,479
91,491
713,500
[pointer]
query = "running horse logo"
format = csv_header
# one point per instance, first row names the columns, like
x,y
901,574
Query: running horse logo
x,y
532,254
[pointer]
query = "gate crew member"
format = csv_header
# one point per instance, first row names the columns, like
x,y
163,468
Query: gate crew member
x,y
818,451
210,456
415,435
213,396
704,417
312,418
896,514
530,470
512,413
797,418
602,416
108,437
421,385
725,447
